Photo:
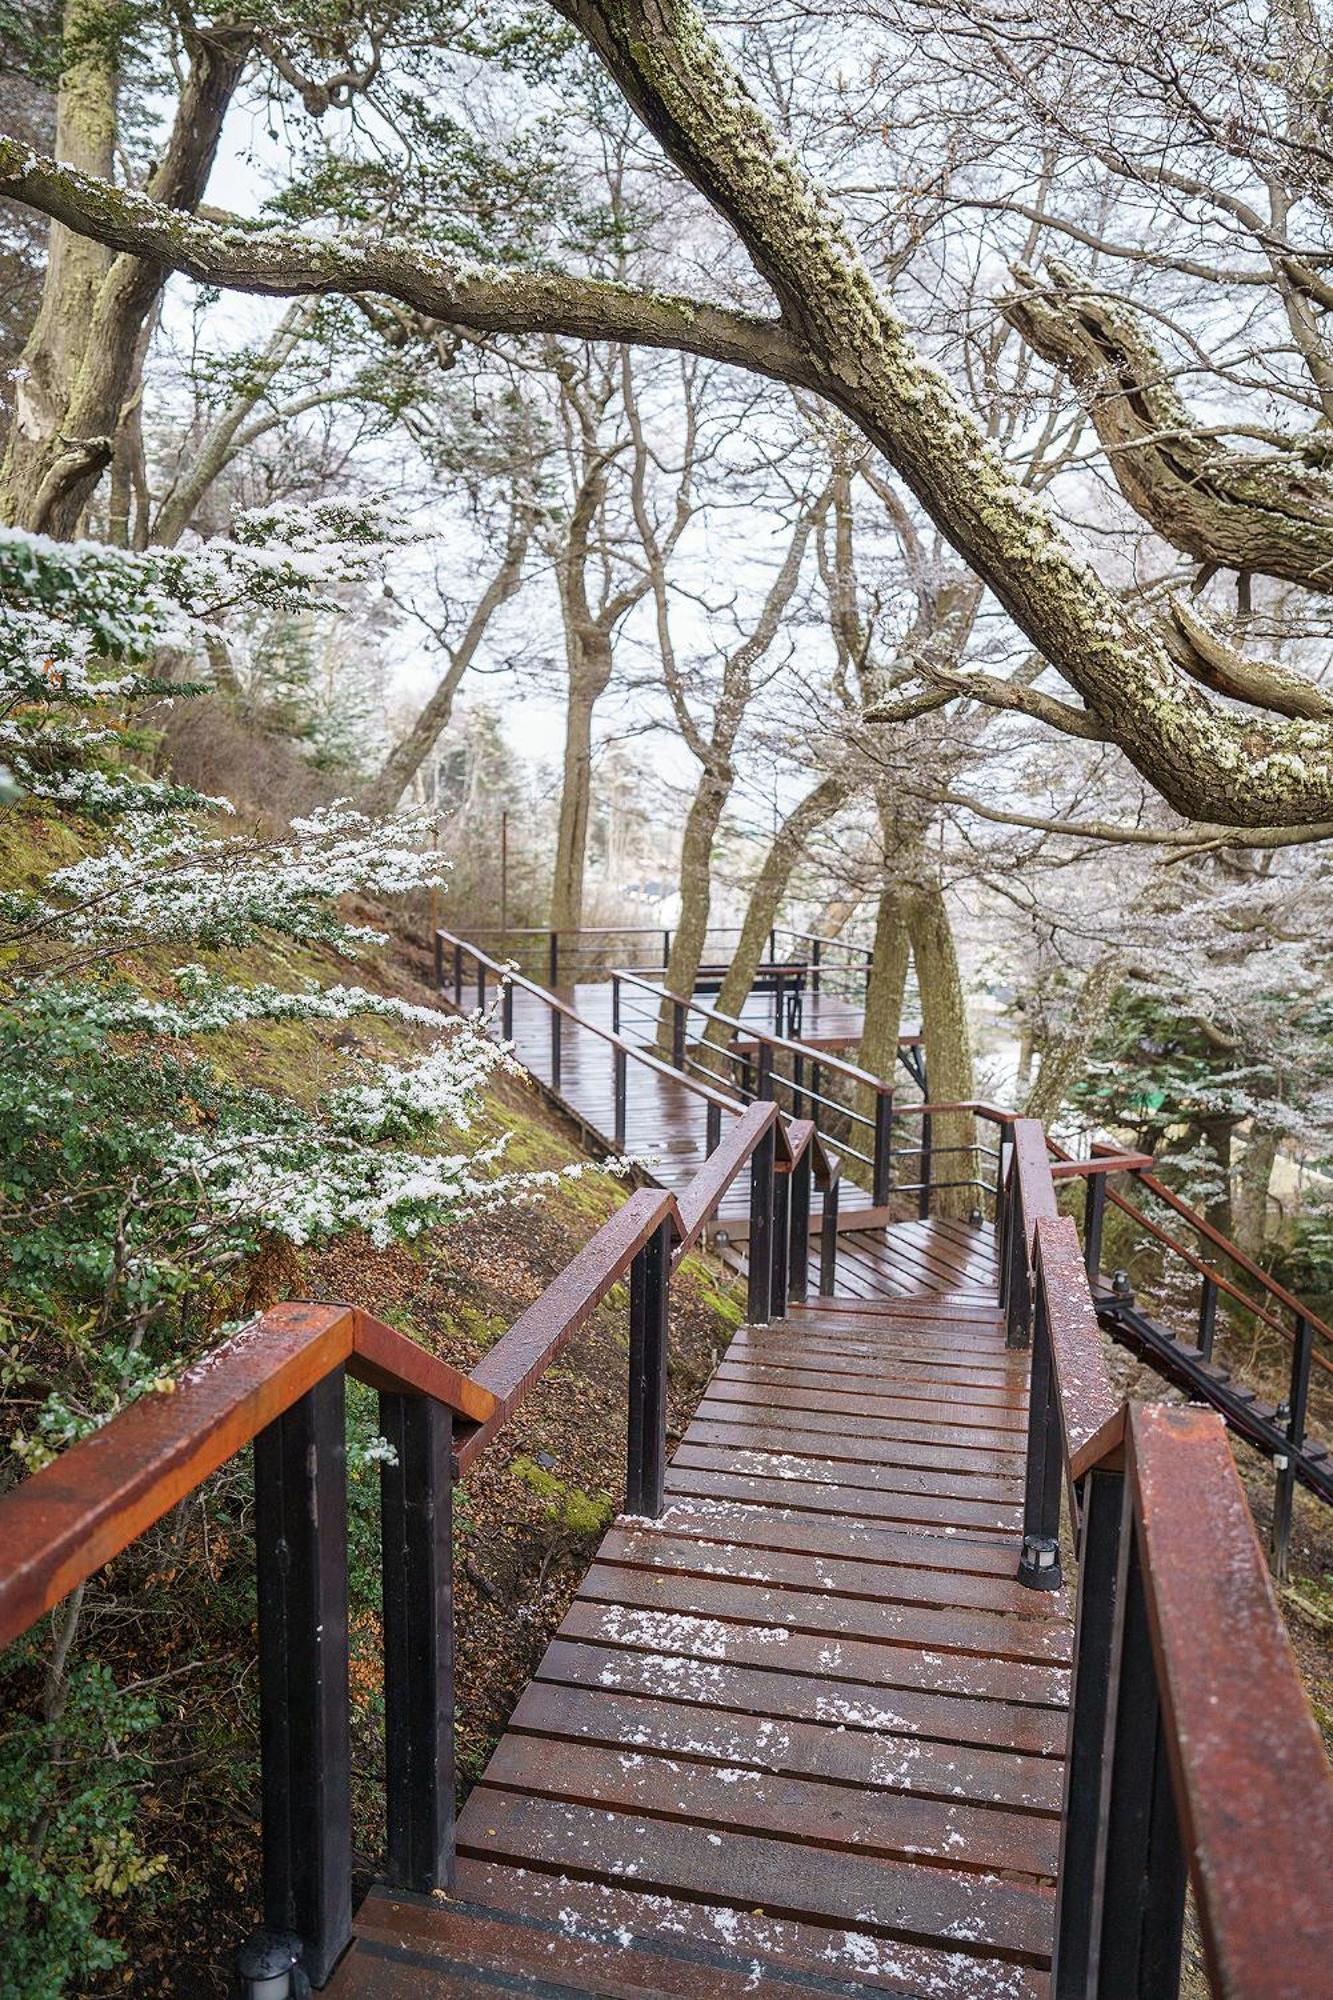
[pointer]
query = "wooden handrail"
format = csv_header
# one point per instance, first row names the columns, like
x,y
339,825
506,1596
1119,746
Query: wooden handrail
x,y
1092,1416
1069,1169
1234,1255
720,1169
1032,1169
1250,1777
1219,1278
522,1355
580,1021
62,1524
824,1058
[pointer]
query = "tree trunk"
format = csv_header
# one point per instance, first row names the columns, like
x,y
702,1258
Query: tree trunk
x,y
587,683
75,271
948,1044
219,444
79,365
1216,1132
1063,1058
789,842
882,1021
411,751
696,881
1256,1173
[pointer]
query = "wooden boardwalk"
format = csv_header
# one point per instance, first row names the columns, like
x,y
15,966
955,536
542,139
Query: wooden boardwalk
x,y
665,1122
802,1734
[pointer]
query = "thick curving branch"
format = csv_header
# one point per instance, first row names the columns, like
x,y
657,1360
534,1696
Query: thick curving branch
x,y
836,336
241,257
1206,760
1269,512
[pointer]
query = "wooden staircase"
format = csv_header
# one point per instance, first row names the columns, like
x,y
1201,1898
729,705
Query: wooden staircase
x,y
802,1733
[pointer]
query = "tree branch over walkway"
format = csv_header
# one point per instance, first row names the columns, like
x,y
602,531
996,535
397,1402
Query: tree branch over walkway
x,y
836,335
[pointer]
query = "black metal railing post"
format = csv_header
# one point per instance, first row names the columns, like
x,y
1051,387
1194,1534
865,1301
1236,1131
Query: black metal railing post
x,y
649,1304
764,1083
1039,1562
618,1087
458,975
828,1241
1003,1150
300,1463
439,963
666,948
1298,1398
615,1003
927,1166
557,1046
1102,1511
416,1531
781,1245
798,1085
678,1034
507,1010
881,1172
1017,1290
798,1261
759,1284
816,964
1207,1317
816,1092
553,960
712,1128
1094,1218
481,985
1141,1863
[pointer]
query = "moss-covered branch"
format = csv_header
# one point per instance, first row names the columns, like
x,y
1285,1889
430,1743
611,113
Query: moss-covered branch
x,y
1271,511
286,264
1205,759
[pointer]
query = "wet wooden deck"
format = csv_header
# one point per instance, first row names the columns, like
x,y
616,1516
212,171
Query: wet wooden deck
x,y
665,1125
804,1733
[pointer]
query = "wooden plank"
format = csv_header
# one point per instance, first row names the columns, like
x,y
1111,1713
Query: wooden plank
x,y
898,1393
917,1905
863,1759
407,1947
894,1493
759,1527
730,1797
830,1960
767,1642
755,1428
582,1655
858,1504
974,1346
877,1474
848,1575
989,1635
928,1382
948,1421
940,1360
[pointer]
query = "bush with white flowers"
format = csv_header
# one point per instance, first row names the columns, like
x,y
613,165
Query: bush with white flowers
x,y
137,1180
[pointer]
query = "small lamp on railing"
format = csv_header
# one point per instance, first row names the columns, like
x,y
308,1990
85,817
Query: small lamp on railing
x,y
1121,1288
268,1967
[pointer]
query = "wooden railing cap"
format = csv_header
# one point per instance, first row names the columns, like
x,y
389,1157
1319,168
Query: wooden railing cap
x,y
61,1525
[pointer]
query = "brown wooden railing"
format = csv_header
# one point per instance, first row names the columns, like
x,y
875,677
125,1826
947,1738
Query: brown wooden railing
x,y
590,952
1193,1754
734,1058
279,1384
